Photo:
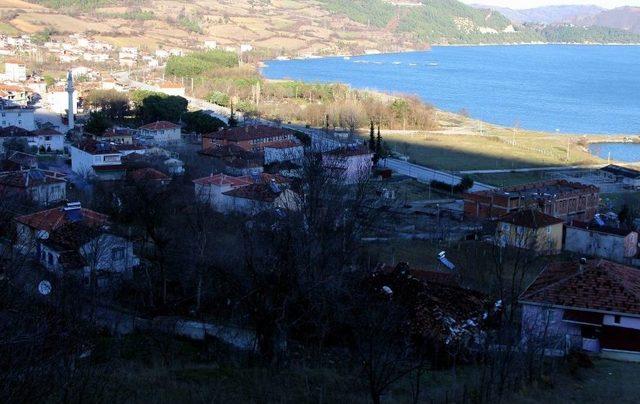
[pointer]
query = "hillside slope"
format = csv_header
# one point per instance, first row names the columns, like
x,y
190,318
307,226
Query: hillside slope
x,y
279,27
547,15
623,18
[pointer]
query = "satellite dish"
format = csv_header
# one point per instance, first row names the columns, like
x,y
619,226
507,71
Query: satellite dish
x,y
42,234
44,288
443,259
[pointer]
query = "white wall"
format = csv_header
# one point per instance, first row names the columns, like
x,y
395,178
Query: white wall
x,y
163,135
82,162
15,72
273,155
22,118
59,102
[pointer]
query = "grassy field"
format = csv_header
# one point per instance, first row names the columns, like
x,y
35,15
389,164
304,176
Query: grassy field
x,y
462,144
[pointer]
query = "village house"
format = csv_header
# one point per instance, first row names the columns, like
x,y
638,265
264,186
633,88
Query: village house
x,y
42,187
246,194
532,230
628,177
591,305
116,135
559,198
43,140
349,164
16,115
18,161
12,95
250,138
71,240
149,176
36,226
286,150
171,88
100,159
15,71
161,132
594,240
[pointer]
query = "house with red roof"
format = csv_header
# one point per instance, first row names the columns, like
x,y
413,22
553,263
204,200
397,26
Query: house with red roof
x,y
591,305
148,175
286,150
40,186
532,230
252,138
161,132
247,194
33,227
71,240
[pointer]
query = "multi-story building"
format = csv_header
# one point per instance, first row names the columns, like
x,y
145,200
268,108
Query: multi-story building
x,y
18,116
249,138
558,198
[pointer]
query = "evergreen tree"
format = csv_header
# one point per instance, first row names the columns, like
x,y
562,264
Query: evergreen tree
x,y
372,138
233,121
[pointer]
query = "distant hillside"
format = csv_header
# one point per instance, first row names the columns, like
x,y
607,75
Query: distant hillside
x,y
547,15
623,18
284,27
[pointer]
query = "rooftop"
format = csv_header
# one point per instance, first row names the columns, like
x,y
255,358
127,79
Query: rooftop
x,y
148,174
29,178
244,133
598,285
551,189
621,171
51,219
530,218
261,192
159,125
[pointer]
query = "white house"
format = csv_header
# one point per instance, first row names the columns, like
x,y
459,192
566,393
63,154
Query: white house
x,y
245,47
210,190
162,54
15,71
590,239
101,159
161,132
21,117
46,139
350,164
210,44
42,187
587,305
58,101
287,150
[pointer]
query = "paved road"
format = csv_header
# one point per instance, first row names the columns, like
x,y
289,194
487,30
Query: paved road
x,y
532,169
427,174
322,140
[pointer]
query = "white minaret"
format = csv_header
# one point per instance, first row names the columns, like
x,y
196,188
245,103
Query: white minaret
x,y
70,107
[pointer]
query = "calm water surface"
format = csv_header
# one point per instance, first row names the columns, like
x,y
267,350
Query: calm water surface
x,y
625,152
571,89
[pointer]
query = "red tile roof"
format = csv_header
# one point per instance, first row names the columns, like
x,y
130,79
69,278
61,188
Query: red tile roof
x,y
222,180
30,178
52,219
148,174
531,218
598,285
284,144
14,131
258,192
244,133
159,125
47,132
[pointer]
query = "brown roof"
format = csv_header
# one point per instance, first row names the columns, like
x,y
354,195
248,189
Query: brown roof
x,y
30,178
14,131
424,275
598,285
222,179
148,174
262,192
551,189
531,218
230,150
159,125
52,219
284,144
244,133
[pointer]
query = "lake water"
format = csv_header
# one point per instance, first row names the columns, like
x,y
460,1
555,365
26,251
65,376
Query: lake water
x,y
625,152
572,89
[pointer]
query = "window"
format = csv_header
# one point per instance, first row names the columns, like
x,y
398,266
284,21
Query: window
x,y
50,259
117,254
47,138
617,319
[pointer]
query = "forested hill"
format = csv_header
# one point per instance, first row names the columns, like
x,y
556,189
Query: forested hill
x,y
291,27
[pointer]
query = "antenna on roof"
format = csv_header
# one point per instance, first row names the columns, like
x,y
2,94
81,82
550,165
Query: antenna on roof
x,y
44,288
